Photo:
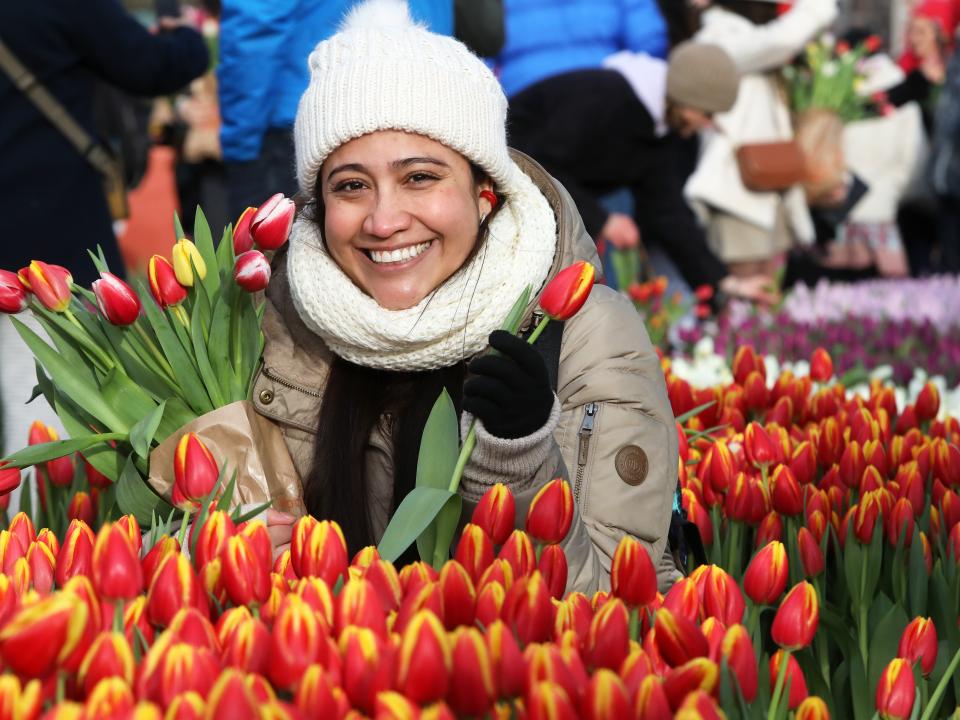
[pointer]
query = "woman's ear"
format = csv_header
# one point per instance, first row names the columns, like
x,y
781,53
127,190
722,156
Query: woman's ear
x,y
486,197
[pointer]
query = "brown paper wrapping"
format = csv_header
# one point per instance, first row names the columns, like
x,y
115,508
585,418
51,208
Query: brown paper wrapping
x,y
248,443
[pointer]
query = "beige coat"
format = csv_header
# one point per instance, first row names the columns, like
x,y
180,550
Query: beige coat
x,y
611,434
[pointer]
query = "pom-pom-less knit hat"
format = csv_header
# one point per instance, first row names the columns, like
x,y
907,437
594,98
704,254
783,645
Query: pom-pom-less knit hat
x,y
382,71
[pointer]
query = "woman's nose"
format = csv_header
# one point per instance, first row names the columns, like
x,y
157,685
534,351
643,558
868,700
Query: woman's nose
x,y
387,217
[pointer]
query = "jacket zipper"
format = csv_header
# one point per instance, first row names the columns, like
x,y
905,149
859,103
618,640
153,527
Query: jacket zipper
x,y
286,383
586,430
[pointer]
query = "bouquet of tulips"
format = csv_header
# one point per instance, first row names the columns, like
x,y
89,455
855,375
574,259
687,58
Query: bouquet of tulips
x,y
125,368
789,481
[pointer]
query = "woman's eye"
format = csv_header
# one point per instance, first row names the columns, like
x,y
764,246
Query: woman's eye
x,y
348,186
418,178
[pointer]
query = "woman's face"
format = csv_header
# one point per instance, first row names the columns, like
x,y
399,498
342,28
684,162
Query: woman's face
x,y
922,37
402,214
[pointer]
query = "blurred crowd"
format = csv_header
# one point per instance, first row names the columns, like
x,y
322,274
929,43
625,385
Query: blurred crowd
x,y
745,145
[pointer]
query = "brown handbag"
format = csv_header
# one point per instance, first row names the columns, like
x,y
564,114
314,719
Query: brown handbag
x,y
771,166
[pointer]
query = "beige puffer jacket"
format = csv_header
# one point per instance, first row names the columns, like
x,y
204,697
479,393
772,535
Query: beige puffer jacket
x,y
611,433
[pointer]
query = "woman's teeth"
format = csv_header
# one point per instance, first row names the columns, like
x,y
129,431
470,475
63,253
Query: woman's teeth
x,y
393,256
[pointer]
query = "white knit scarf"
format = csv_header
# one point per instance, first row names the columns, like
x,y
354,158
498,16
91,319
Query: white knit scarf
x,y
450,324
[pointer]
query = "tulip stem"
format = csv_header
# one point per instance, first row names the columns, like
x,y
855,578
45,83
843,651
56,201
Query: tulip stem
x,y
465,452
61,692
634,623
931,709
155,351
95,352
863,619
538,330
118,616
182,535
778,688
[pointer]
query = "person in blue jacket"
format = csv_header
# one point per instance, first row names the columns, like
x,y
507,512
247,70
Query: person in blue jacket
x,y
549,37
262,72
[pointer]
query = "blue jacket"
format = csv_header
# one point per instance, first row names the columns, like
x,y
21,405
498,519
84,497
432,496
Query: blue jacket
x,y
264,45
549,37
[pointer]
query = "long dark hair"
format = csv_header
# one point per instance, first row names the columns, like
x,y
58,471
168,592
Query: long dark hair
x,y
358,399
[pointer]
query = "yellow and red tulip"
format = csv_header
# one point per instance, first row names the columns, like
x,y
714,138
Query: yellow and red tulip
x,y
242,239
109,655
457,594
518,551
19,701
244,575
81,507
358,605
41,636
722,598
166,545
684,599
528,608
918,643
385,580
164,286
13,294
315,694
821,365
271,223
252,271
49,283
551,512
117,574
745,361
737,650
650,701
175,585
548,701
473,687
605,697
324,553
633,578
928,402
496,513
296,641
811,556
762,451
186,706
608,639
566,293
424,660
506,657
111,697
187,262
368,666
474,550
490,602
678,639
896,691
42,562
195,472
553,567
766,576
812,708
700,673
183,668
9,479
797,618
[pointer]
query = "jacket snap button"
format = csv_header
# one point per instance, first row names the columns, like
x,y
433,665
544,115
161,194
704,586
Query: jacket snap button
x,y
266,396
632,464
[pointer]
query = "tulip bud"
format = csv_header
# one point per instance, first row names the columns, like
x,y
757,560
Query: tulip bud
x,y
474,550
424,662
109,656
13,295
9,479
231,698
50,284
368,666
633,578
270,225
548,701
701,705
135,615
42,562
175,585
722,598
794,678
718,466
358,604
551,512
186,706
495,513
117,574
566,293
766,576
678,639
896,691
164,546
111,697
117,301
519,553
605,697
43,635
608,640
19,702
195,471
553,567
785,494
187,260
650,701
164,286
737,650
810,554
81,507
528,608
821,365
242,239
697,674
315,694
245,576
759,446
457,594
252,271
183,668
919,643
295,642
928,402
324,554
797,618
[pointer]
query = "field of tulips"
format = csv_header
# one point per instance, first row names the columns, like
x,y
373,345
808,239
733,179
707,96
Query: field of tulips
x,y
829,586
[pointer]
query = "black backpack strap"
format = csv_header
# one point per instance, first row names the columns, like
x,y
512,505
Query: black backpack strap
x,y
548,345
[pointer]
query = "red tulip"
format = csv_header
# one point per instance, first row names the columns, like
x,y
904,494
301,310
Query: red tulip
x,y
109,656
548,701
245,577
551,512
81,507
324,553
42,562
678,639
242,239
76,555
424,661
164,286
43,635
270,225
175,585
633,578
358,605
919,643
722,598
812,708
9,479
457,594
650,701
810,553
13,295
474,550
252,271
794,678
528,608
117,574
785,495
382,575
473,686
821,365
368,666
495,513
553,567
718,466
745,361
566,293
519,553
112,697
759,446
766,576
231,698
697,674
20,702
195,471
315,694
605,697
296,642
49,283
797,618
180,668
507,660
212,537
928,402
737,650
608,640
896,691
117,301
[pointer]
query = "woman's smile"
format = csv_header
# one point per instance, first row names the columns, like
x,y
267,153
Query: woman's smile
x,y
399,258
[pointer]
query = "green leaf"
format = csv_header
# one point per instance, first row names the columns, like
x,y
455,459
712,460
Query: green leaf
x,y
203,239
135,497
175,416
445,527
439,448
26,500
200,353
218,345
874,559
918,581
225,258
417,510
141,434
852,559
696,411
177,228
251,341
863,701
43,452
132,402
511,323
885,637
65,378
250,514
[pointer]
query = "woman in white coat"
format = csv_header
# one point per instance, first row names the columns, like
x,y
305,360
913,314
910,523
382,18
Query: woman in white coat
x,y
750,230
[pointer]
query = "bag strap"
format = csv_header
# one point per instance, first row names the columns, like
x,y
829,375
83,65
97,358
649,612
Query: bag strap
x,y
54,111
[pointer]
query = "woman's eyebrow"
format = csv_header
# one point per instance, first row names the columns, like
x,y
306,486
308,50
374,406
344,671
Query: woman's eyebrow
x,y
406,162
351,167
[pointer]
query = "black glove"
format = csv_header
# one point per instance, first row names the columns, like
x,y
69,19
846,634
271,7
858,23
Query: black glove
x,y
510,392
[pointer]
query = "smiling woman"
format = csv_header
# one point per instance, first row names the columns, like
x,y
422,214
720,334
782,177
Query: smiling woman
x,y
419,232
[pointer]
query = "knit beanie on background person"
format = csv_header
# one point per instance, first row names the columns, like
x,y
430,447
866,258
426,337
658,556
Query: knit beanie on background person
x,y
703,77
381,71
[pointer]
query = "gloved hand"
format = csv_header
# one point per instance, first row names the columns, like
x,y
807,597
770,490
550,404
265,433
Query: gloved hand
x,y
509,392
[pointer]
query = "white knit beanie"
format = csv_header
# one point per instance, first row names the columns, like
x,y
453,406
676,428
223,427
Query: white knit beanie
x,y
381,71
